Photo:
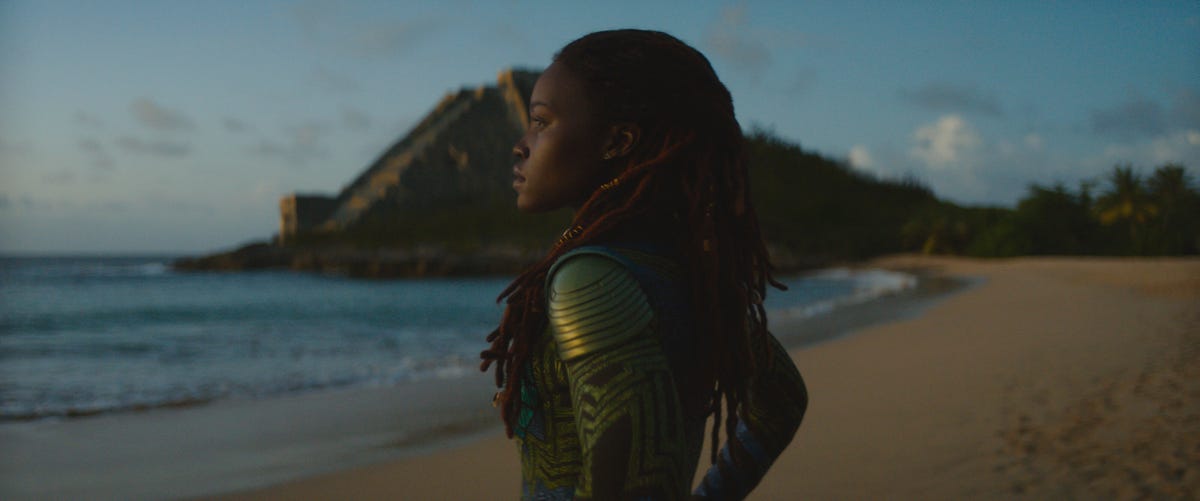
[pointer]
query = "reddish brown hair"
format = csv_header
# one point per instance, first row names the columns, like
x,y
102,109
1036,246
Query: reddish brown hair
x,y
688,173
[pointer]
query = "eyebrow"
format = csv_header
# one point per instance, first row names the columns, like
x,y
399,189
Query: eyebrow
x,y
535,104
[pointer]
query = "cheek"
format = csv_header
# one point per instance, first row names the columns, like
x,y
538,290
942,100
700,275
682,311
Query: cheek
x,y
550,157
569,153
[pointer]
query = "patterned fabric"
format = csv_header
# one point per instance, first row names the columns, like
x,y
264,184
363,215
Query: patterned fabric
x,y
616,422
770,417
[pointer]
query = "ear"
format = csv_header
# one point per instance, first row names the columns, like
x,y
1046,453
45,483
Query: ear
x,y
622,138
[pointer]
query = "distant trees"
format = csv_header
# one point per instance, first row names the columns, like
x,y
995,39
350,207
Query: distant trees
x,y
1132,215
1176,227
1127,204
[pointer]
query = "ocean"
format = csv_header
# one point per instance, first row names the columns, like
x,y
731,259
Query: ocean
x,y
82,336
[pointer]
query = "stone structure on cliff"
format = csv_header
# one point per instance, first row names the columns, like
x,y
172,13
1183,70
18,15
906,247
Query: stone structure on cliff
x,y
459,153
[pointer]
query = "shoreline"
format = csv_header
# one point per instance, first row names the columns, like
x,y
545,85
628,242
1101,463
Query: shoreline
x,y
382,477
848,319
1001,382
1045,378
237,445
828,316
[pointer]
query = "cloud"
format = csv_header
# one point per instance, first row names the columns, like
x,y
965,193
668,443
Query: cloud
x,y
950,156
949,141
28,202
268,148
5,203
1137,118
269,189
391,38
509,35
159,202
90,146
804,81
109,206
1185,109
1181,147
234,125
306,135
1033,141
88,120
861,158
61,177
355,120
728,39
156,116
946,97
326,23
302,144
96,153
160,148
328,80
15,149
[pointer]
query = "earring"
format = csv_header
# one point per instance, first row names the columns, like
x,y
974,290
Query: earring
x,y
608,155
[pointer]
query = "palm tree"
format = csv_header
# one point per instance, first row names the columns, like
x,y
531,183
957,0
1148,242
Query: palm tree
x,y
1178,221
1127,202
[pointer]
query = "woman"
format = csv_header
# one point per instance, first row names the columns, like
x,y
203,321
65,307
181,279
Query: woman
x,y
647,314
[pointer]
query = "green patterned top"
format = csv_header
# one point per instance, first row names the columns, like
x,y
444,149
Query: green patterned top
x,y
601,413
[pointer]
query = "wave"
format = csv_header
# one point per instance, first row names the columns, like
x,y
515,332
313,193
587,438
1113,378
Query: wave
x,y
14,269
866,285
71,350
116,397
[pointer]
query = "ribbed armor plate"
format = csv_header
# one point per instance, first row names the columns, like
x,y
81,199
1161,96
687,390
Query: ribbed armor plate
x,y
594,304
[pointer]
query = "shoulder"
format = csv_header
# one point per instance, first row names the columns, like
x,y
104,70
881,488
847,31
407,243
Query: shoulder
x,y
594,303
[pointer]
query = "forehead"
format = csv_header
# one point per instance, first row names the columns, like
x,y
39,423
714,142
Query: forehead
x,y
559,89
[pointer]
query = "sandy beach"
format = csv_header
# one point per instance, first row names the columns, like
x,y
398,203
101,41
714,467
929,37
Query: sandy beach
x,y
1051,378
1040,378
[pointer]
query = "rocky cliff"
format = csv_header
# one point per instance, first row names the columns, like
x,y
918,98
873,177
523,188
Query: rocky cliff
x,y
457,156
439,201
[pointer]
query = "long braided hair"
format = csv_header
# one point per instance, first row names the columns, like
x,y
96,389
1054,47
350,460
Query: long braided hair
x,y
688,170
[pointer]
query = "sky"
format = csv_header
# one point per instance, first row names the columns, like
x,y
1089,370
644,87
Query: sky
x,y
175,127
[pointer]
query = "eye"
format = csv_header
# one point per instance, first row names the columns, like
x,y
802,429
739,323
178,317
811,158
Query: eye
x,y
537,122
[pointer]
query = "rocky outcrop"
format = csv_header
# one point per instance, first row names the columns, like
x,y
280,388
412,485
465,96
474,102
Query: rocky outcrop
x,y
458,154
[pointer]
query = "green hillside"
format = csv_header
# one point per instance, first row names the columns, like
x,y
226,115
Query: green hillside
x,y
813,210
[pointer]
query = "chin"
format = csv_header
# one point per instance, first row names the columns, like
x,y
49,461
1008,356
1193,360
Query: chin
x,y
532,206
529,209
525,206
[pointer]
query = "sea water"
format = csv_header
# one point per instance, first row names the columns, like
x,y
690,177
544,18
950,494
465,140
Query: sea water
x,y
86,335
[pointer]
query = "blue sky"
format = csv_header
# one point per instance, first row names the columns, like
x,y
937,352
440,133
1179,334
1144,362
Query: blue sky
x,y
148,126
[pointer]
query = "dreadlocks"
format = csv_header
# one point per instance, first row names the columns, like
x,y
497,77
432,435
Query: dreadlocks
x,y
687,168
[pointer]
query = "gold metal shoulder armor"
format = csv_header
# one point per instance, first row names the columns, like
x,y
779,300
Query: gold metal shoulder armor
x,y
594,304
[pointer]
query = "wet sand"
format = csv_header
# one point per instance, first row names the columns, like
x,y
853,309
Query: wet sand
x,y
1050,378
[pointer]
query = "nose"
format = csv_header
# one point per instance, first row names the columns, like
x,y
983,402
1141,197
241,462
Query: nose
x,y
521,150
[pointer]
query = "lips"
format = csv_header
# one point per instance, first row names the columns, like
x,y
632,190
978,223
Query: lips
x,y
517,177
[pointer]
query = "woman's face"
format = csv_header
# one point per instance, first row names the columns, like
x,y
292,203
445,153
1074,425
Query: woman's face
x,y
560,157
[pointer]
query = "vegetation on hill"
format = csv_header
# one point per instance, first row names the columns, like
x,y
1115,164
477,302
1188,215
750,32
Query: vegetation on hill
x,y
1130,215
809,206
813,211
823,210
818,210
